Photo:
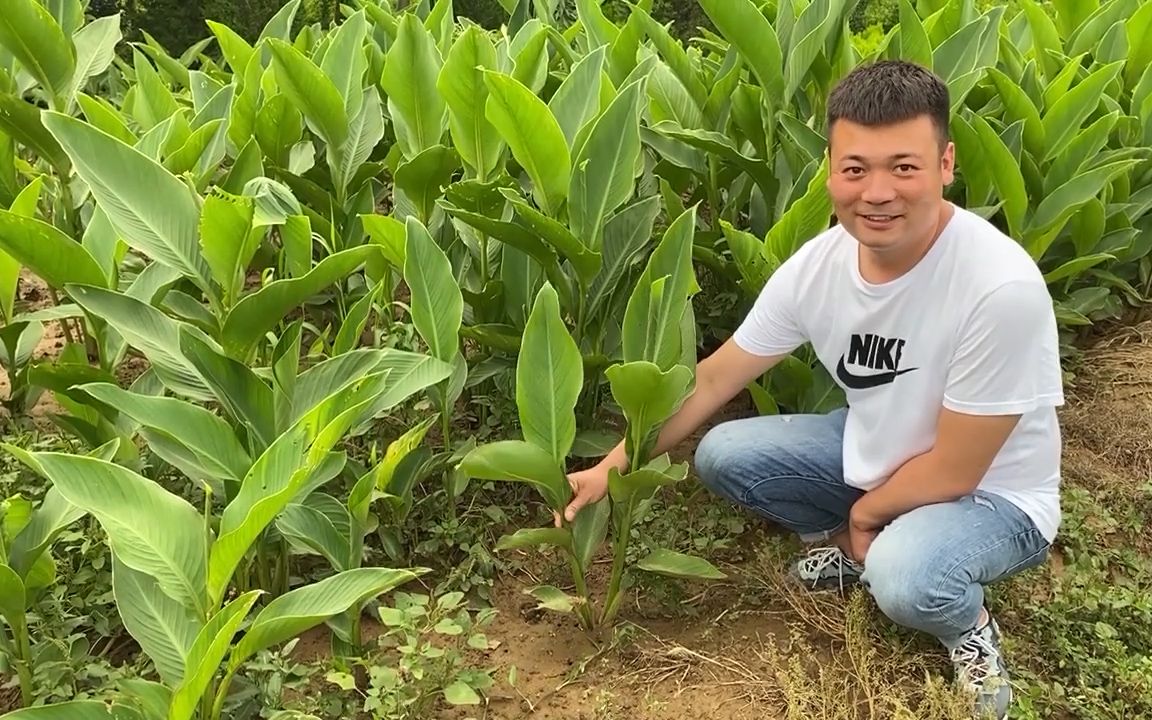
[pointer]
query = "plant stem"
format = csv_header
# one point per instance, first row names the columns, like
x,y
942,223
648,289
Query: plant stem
x,y
221,694
612,601
22,655
585,609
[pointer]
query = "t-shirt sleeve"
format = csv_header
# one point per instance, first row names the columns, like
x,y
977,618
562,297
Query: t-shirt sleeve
x,y
772,326
1007,359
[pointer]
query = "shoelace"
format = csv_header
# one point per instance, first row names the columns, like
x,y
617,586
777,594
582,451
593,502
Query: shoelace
x,y
978,656
820,558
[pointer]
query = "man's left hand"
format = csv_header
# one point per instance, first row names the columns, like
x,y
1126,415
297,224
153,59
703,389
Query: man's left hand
x,y
862,530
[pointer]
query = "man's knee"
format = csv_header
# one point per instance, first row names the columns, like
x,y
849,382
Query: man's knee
x,y
716,457
910,584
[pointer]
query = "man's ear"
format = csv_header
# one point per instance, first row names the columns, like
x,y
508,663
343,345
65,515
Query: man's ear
x,y
948,163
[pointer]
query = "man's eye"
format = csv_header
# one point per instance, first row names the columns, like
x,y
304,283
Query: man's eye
x,y
905,168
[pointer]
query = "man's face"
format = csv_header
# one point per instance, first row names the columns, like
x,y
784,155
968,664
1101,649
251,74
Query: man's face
x,y
887,183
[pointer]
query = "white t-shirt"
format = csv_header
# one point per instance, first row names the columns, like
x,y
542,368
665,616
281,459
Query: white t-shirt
x,y
971,328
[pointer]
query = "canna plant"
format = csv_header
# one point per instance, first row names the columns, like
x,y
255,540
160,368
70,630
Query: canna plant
x,y
650,385
173,568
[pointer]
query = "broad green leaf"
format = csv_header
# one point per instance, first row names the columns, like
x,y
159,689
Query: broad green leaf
x,y
670,100
519,461
1083,149
262,310
589,530
345,62
13,599
461,84
76,710
418,110
914,43
648,397
535,138
32,35
585,260
241,393
95,49
409,373
294,612
364,132
279,126
279,26
388,233
236,50
807,41
163,627
437,303
151,530
532,537
206,655
626,234
1074,267
423,179
211,441
460,693
1063,120
102,115
1139,30
1006,175
553,598
22,121
148,330
1019,106
311,91
127,185
52,255
352,327
674,564
308,527
603,175
228,239
549,378
651,320
804,219
723,146
743,25
577,100
46,523
629,489
1055,209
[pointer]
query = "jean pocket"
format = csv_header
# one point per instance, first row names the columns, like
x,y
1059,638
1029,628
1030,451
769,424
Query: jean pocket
x,y
1035,559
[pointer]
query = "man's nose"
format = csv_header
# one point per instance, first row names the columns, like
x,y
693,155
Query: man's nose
x,y
878,189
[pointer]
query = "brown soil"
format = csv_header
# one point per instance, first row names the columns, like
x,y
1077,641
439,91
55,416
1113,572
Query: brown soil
x,y
32,294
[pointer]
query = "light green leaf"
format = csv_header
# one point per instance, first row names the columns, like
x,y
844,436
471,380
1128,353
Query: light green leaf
x,y
1074,267
532,537
461,84
22,121
364,133
236,50
206,655
242,394
577,100
53,516
32,35
228,239
804,219
1067,114
914,43
307,527
210,441
674,564
150,208
148,330
76,710
437,303
163,627
151,530
536,140
648,397
423,179
1055,210
95,49
294,612
345,62
743,25
311,91
603,177
260,311
459,693
418,110
549,378
519,461
43,249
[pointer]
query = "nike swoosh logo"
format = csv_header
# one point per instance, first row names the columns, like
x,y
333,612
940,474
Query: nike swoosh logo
x,y
864,382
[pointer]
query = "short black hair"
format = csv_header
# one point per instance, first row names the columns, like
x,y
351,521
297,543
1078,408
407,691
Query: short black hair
x,y
886,92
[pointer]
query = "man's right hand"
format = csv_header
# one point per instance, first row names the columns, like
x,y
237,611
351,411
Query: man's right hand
x,y
588,486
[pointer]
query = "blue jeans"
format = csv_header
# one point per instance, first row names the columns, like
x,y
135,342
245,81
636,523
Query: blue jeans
x,y
926,569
